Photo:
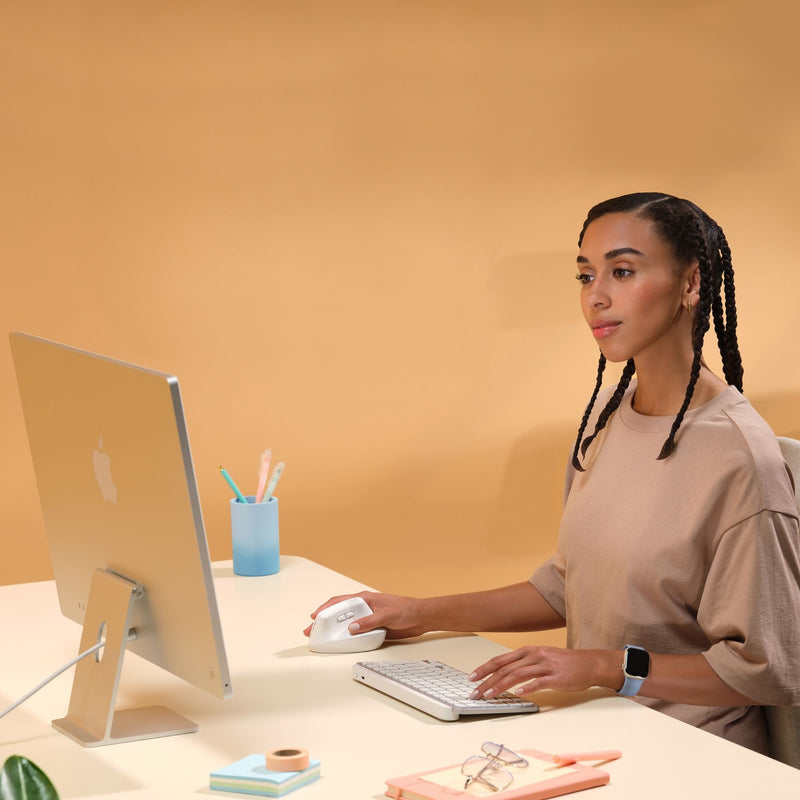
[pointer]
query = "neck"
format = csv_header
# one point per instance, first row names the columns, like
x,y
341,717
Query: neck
x,y
660,392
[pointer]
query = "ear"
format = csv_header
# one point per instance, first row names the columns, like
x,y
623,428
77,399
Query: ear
x,y
691,284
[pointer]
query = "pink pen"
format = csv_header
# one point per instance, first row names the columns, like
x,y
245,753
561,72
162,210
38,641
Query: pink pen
x,y
263,471
597,755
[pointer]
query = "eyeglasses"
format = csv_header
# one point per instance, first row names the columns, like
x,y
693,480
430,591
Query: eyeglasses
x,y
490,769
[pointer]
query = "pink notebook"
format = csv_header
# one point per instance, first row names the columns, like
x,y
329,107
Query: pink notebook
x,y
540,780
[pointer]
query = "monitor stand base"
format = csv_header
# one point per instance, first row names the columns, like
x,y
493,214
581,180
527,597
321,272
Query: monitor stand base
x,y
130,725
92,720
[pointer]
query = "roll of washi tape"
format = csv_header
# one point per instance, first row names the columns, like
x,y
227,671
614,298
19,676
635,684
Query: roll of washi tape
x,y
288,759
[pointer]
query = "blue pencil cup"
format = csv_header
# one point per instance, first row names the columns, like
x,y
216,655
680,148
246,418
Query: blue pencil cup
x,y
255,537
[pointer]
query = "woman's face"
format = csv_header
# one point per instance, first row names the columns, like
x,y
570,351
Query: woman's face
x,y
633,291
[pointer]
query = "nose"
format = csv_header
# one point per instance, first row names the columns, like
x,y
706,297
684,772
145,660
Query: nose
x,y
596,294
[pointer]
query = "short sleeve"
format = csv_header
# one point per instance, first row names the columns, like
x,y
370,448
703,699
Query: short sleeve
x,y
548,579
750,608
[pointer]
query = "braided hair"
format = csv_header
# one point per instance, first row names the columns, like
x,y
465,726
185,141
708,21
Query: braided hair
x,y
692,234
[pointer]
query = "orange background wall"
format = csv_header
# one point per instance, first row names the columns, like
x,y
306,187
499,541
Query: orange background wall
x,y
350,229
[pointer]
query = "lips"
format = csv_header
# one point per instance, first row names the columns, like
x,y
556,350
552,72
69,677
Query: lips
x,y
604,327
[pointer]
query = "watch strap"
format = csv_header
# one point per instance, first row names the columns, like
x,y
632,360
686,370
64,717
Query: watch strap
x,y
631,686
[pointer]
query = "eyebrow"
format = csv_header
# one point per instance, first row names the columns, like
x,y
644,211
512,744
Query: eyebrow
x,y
620,251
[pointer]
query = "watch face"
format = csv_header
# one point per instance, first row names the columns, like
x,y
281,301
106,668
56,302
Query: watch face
x,y
637,662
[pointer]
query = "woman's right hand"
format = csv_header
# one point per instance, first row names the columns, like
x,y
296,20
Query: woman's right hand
x,y
401,616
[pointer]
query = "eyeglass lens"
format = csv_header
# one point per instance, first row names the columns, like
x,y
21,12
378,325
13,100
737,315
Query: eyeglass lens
x,y
486,771
502,753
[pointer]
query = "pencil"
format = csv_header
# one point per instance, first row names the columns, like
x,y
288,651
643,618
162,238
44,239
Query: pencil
x,y
263,470
597,755
273,481
239,495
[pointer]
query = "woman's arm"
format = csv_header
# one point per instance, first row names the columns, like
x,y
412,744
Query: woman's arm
x,y
689,679
675,678
518,607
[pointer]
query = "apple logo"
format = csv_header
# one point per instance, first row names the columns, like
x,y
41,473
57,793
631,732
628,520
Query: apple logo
x,y
102,471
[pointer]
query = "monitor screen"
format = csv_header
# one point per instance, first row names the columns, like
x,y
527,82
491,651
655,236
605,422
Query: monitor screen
x,y
120,504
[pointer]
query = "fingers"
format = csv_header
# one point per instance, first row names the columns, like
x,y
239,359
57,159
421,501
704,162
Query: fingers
x,y
385,614
401,616
533,668
364,624
331,602
497,663
525,669
518,684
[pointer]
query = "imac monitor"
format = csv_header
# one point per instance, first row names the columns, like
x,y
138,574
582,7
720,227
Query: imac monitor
x,y
125,531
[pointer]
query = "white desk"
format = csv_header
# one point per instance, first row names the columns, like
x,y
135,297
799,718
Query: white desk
x,y
286,696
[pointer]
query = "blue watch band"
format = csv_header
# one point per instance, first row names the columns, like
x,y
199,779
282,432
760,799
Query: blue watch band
x,y
631,686
635,668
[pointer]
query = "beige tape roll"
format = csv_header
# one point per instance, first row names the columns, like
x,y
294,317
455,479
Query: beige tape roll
x,y
287,759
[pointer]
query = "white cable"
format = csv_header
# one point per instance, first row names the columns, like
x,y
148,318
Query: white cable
x,y
44,683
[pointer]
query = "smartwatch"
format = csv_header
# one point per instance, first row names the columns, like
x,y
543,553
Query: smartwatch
x,y
635,668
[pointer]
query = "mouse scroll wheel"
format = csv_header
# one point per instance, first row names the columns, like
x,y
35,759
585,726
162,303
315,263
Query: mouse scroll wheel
x,y
347,615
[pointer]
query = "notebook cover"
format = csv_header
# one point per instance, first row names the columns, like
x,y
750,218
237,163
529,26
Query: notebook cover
x,y
566,779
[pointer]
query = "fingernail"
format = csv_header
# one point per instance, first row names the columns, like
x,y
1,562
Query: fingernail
x,y
517,690
354,627
473,695
488,693
474,676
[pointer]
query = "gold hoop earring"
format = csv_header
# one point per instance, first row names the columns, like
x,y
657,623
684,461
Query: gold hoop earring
x,y
689,306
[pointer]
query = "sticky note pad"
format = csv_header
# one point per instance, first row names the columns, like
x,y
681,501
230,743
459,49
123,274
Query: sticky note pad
x,y
250,775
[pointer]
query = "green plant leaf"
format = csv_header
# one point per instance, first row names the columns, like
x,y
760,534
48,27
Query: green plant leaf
x,y
21,779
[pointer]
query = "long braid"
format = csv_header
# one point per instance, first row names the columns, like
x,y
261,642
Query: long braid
x,y
701,325
729,348
598,383
612,404
718,309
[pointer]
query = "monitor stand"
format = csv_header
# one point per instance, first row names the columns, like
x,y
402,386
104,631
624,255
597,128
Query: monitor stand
x,y
91,719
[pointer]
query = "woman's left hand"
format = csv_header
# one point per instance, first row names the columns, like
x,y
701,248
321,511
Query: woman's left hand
x,y
531,668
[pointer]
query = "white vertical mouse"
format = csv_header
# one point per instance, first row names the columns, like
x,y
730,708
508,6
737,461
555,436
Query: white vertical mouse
x,y
329,633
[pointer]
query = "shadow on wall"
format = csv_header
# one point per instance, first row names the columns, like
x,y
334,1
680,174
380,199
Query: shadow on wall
x,y
527,511
527,515
415,531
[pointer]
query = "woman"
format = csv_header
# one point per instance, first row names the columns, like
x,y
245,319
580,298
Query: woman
x,y
677,571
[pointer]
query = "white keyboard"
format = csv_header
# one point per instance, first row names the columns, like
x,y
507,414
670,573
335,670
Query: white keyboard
x,y
434,688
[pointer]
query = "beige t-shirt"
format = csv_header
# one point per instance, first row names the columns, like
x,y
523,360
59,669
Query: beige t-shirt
x,y
696,553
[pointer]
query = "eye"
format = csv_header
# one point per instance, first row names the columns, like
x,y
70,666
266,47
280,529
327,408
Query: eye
x,y
622,272
584,278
